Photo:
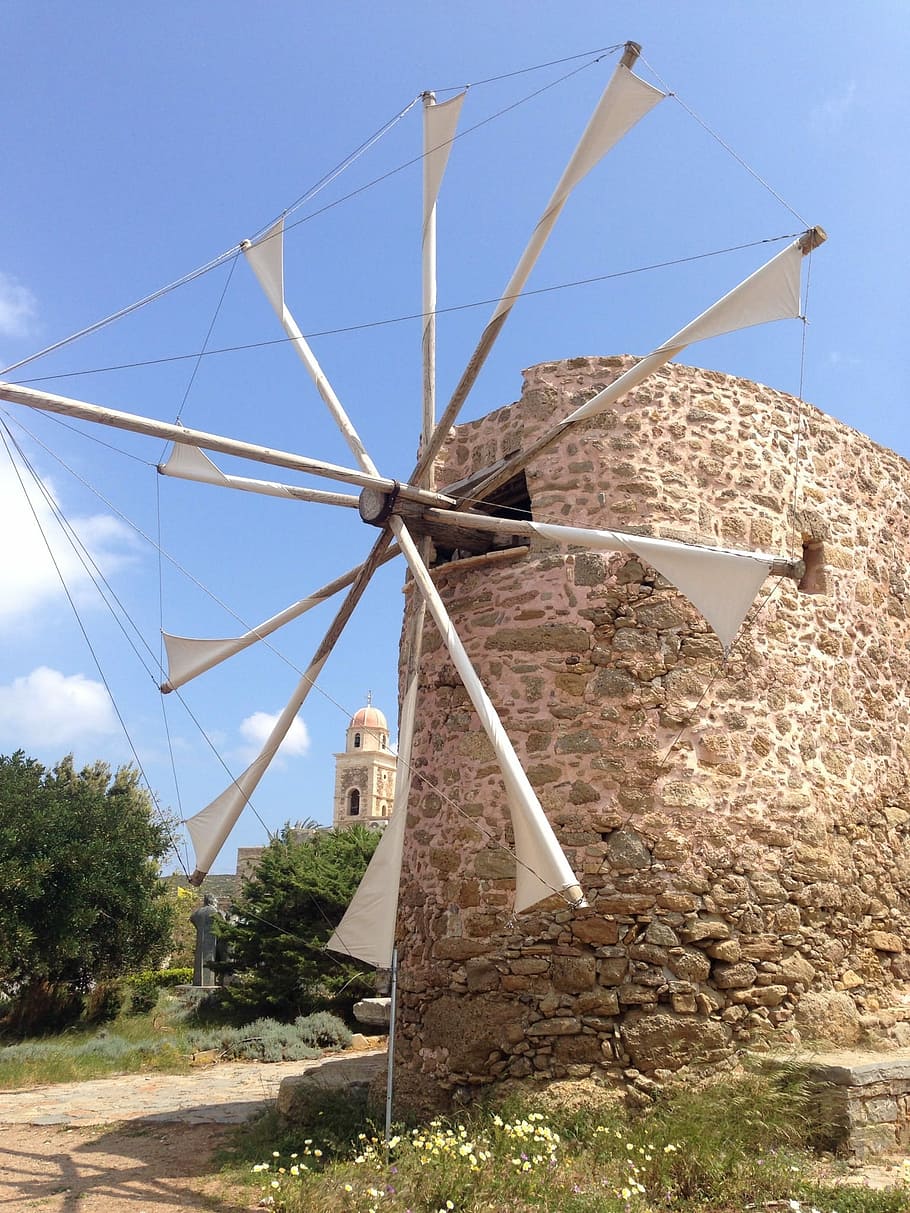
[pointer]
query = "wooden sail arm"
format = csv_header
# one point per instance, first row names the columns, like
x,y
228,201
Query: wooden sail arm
x,y
625,101
135,423
700,329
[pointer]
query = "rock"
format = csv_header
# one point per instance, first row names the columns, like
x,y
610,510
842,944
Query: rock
x,y
359,1042
565,1026
573,974
828,1015
375,1012
795,969
885,941
596,931
689,964
734,977
299,1094
627,852
664,1040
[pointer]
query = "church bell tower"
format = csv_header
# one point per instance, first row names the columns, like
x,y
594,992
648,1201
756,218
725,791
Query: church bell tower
x,y
365,772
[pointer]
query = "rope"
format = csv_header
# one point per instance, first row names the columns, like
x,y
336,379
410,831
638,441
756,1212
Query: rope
x,y
726,146
237,248
411,316
7,438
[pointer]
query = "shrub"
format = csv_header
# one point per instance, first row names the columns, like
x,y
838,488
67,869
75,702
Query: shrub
x,y
268,1040
104,1002
146,986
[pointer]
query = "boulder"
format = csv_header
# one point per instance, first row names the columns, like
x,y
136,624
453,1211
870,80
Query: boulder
x,y
352,1075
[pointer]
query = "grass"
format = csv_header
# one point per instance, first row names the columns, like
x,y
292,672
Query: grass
x,y
162,1040
736,1144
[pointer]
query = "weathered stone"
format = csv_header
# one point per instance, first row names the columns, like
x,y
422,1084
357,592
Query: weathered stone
x,y
660,934
480,974
885,941
374,1012
596,931
300,1095
573,974
795,969
828,1015
664,1040
450,948
689,964
564,1026
734,976
627,851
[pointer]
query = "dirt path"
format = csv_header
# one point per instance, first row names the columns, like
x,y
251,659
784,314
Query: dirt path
x,y
137,1167
135,1143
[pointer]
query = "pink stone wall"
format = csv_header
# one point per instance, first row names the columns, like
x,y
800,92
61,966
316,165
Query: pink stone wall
x,y
740,829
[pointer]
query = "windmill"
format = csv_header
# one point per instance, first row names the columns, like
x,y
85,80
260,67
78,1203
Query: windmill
x,y
410,516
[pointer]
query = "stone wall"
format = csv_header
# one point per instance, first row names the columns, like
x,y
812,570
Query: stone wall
x,y
740,828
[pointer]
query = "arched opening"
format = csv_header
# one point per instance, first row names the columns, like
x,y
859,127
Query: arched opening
x,y
356,741
354,803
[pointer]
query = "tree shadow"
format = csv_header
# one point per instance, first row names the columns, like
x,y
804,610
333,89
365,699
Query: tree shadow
x,y
158,1163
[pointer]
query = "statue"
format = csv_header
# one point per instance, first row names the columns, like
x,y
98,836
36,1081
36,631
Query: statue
x,y
209,947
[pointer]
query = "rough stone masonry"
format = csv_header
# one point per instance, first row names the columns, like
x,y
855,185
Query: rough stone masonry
x,y
740,828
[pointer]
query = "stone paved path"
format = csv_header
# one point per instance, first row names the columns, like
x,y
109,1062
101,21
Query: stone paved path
x,y
228,1093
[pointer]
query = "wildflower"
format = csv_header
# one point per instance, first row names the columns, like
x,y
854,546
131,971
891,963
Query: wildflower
x,y
275,1154
275,1183
348,1188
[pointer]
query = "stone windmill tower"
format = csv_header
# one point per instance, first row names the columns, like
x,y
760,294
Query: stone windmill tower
x,y
511,516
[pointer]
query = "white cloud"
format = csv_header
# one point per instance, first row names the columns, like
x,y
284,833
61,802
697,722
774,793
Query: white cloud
x,y
828,116
18,308
29,579
256,728
47,708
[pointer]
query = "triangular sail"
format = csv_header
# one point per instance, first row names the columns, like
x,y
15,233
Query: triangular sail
x,y
721,584
771,293
440,122
625,101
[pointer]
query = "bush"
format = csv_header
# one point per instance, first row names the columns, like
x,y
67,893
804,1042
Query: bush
x,y
104,1002
268,1040
146,986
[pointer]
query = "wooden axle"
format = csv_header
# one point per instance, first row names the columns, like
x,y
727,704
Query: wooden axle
x,y
455,529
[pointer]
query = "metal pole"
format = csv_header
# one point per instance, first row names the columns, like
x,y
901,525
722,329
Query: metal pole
x,y
393,1008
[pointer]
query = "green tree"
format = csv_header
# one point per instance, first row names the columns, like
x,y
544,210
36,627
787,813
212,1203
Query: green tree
x,y
285,914
81,898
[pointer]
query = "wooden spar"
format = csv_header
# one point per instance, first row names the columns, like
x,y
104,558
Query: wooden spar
x,y
253,774
267,488
212,653
428,284
133,422
559,876
458,529
518,281
505,469
275,294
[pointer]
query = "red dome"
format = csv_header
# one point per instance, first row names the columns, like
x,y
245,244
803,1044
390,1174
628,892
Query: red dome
x,y
369,718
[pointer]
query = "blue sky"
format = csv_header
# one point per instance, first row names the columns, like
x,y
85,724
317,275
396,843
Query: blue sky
x,y
139,142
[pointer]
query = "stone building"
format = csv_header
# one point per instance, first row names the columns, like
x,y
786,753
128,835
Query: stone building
x,y
364,782
365,772
740,827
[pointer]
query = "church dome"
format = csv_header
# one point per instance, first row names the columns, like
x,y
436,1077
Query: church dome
x,y
369,718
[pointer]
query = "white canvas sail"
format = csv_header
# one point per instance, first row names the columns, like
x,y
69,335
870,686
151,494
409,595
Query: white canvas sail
x,y
771,293
721,584
625,101
440,123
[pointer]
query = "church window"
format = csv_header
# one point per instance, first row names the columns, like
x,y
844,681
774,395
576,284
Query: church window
x,y
354,803
356,741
